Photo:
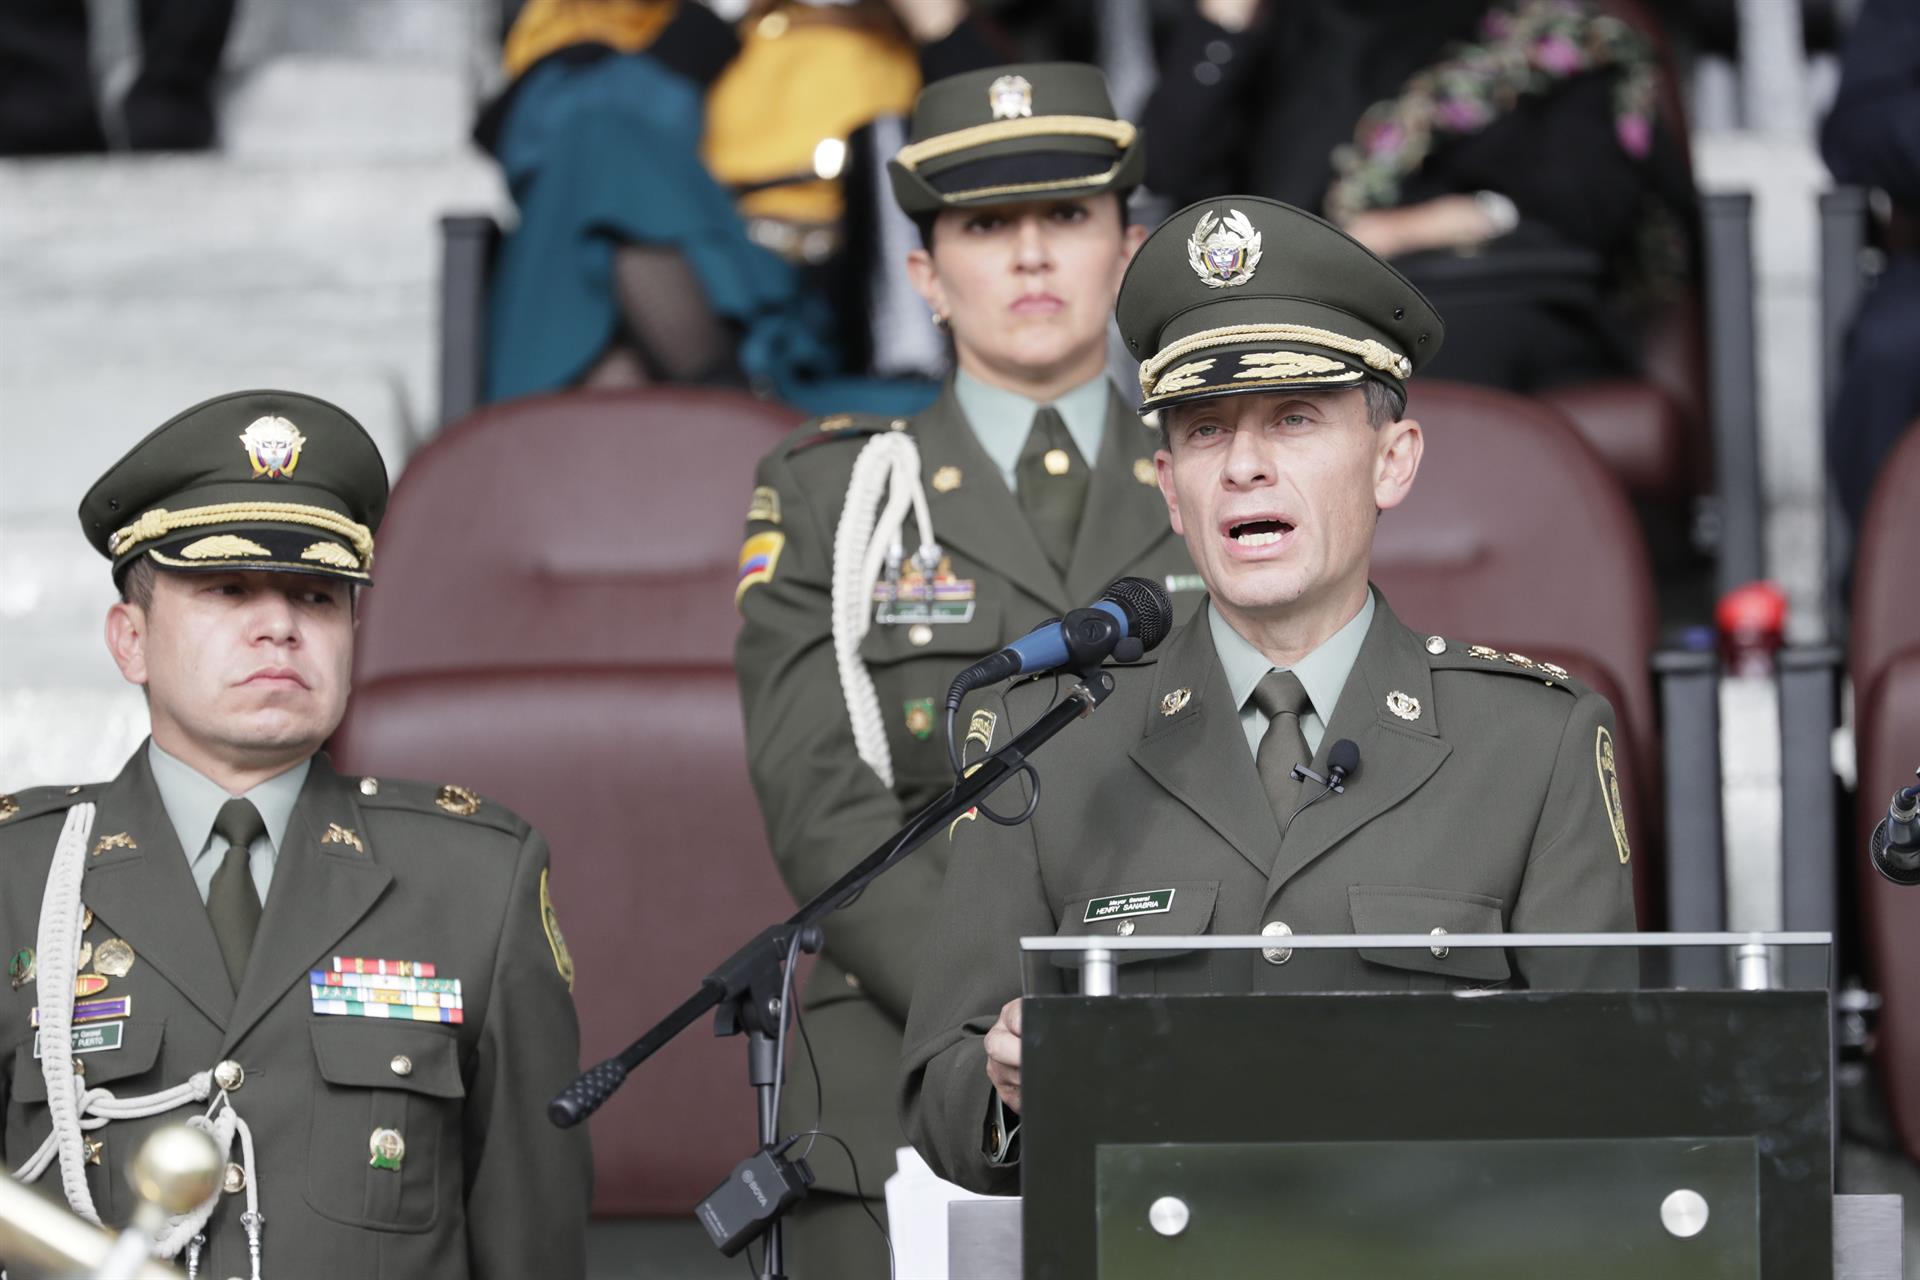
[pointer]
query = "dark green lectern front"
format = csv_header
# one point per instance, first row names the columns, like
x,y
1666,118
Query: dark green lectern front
x,y
1432,1132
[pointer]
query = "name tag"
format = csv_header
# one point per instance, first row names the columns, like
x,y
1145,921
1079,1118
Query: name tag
x,y
1186,582
90,1039
1128,904
900,613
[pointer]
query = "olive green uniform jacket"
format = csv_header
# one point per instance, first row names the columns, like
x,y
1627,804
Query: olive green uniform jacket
x,y
825,809
487,1187
1480,807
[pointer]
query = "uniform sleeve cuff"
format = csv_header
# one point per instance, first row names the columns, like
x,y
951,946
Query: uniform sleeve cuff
x,y
1002,1141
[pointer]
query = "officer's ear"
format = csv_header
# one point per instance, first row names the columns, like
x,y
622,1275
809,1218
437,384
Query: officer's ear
x,y
925,279
1396,459
127,640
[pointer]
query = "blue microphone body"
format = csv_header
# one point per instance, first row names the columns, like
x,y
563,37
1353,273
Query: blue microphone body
x,y
1045,647
1130,610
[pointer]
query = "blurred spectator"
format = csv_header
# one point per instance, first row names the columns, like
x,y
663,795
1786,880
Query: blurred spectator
x,y
47,102
1872,138
678,188
1505,155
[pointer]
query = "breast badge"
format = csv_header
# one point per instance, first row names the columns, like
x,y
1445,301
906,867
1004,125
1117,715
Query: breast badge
x,y
916,598
1610,790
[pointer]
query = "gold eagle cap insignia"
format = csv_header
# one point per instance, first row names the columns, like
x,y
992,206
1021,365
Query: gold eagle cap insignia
x,y
1174,703
1223,252
1010,98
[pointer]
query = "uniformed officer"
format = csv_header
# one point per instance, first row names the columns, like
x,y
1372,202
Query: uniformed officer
x,y
356,984
1276,351
882,557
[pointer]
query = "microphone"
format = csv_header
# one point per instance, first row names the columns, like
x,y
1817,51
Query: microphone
x,y
1343,761
1895,845
1131,616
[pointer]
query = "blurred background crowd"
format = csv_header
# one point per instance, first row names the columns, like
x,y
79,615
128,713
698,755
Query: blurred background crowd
x,y
577,262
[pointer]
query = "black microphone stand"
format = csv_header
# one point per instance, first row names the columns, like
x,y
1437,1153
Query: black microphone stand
x,y
746,987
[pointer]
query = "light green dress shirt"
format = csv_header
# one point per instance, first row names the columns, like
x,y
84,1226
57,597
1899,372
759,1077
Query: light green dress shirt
x,y
1323,673
192,800
1001,419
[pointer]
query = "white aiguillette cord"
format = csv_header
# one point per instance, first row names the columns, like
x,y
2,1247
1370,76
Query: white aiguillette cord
x,y
888,469
72,1109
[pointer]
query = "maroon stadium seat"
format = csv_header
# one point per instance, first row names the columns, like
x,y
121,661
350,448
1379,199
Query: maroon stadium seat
x,y
1885,661
553,627
1516,536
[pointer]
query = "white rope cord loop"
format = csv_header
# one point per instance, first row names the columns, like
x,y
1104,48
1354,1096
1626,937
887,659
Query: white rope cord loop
x,y
75,1109
56,960
886,472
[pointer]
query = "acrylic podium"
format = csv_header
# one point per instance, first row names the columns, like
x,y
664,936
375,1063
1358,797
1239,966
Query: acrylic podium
x,y
1496,1106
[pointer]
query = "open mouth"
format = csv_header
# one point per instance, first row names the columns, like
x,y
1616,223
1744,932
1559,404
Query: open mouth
x,y
1258,533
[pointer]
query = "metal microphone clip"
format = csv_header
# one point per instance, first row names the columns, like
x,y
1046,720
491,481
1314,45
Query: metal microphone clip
x,y
1303,774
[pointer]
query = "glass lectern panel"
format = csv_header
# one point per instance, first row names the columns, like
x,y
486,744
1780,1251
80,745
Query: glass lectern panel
x,y
1370,1097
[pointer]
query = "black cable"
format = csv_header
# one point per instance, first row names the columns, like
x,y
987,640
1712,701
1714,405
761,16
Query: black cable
x,y
857,1190
780,1039
819,1096
1308,804
753,1268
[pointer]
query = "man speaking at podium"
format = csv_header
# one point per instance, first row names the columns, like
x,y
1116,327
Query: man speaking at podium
x,y
1480,788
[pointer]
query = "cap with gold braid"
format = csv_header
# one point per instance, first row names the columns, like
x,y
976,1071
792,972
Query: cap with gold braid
x,y
1027,132
266,480
1244,294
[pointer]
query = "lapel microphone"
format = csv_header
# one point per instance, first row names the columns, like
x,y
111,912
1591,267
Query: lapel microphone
x,y
1343,761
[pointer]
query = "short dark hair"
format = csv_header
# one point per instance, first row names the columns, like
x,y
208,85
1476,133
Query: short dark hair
x,y
136,584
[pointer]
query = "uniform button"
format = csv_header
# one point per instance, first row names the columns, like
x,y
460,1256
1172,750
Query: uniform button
x,y
369,786
234,1180
1440,953
919,635
1276,929
1125,929
1436,645
229,1075
402,1065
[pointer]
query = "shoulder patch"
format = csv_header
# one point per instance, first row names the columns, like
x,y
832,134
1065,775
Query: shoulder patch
x,y
455,803
19,806
1603,761
1480,657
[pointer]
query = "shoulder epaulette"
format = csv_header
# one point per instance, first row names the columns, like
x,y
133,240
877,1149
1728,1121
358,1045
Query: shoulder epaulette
x,y
34,801
447,800
841,426
1447,655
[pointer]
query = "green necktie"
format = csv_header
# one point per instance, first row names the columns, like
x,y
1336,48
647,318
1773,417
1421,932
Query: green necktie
x,y
1283,700
1052,480
232,903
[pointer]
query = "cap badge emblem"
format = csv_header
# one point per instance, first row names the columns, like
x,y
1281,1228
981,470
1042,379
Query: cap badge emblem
x,y
1175,702
1224,252
1404,705
1011,97
273,446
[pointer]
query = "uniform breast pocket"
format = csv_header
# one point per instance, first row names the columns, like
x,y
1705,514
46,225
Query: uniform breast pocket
x,y
1163,909
1436,913
119,1055
384,1145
